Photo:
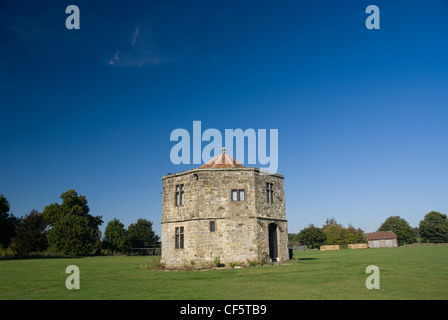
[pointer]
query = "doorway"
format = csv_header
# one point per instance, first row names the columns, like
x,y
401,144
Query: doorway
x,y
273,249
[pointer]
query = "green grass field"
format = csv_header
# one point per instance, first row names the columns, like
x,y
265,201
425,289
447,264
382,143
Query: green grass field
x,y
405,273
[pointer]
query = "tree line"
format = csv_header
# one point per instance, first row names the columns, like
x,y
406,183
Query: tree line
x,y
69,229
433,228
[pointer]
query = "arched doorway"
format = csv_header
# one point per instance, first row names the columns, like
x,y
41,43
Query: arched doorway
x,y
273,249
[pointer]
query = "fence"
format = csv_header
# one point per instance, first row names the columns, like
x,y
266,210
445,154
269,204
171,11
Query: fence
x,y
423,244
361,246
146,251
297,248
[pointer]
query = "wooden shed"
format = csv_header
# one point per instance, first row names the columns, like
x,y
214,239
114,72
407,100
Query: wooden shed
x,y
382,239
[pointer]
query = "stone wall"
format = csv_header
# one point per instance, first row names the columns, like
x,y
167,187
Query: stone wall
x,y
282,239
241,227
233,240
274,212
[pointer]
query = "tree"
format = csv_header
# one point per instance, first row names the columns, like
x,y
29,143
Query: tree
x,y
351,235
405,233
74,235
333,231
338,234
73,230
434,228
8,223
31,234
417,234
312,237
116,237
141,235
72,204
292,239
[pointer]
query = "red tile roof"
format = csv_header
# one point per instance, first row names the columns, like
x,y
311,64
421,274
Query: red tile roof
x,y
222,161
381,235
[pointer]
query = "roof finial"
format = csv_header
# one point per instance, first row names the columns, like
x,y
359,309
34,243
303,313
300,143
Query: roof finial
x,y
223,150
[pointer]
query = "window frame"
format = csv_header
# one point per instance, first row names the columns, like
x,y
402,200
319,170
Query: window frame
x,y
234,191
179,233
242,192
179,197
270,192
238,192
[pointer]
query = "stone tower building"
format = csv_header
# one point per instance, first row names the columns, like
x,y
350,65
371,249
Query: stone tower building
x,y
223,209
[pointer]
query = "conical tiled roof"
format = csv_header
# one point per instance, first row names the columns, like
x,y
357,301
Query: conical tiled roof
x,y
222,161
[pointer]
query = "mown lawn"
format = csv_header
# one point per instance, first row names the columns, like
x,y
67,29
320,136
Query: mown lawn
x,y
405,273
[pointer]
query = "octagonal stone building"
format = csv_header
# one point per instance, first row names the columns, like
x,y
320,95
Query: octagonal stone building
x,y
223,209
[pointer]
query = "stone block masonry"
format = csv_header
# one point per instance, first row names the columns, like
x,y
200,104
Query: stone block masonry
x,y
234,213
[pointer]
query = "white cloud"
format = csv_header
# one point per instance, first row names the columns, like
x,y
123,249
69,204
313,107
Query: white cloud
x,y
137,53
115,59
134,36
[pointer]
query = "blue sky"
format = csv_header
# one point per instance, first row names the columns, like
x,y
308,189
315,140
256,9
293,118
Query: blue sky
x,y
361,113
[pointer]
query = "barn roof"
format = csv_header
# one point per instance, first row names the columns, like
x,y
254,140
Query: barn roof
x,y
222,160
381,235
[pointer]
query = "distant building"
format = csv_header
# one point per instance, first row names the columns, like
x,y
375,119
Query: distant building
x,y
382,239
224,210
